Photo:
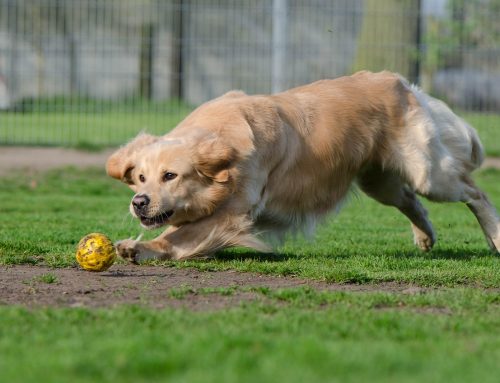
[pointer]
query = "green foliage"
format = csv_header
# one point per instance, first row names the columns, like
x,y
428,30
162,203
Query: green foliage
x,y
468,25
388,36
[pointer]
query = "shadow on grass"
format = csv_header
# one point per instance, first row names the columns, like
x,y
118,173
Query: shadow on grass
x,y
438,253
134,273
443,253
242,255
239,255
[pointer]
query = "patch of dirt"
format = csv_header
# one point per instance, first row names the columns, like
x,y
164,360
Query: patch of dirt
x,y
151,286
42,159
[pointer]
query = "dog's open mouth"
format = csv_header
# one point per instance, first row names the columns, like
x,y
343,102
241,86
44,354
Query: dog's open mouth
x,y
157,220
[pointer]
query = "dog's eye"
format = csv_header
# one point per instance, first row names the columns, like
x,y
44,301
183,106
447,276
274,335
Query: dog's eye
x,y
168,176
142,178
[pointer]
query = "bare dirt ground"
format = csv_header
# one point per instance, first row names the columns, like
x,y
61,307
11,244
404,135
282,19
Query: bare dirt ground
x,y
152,286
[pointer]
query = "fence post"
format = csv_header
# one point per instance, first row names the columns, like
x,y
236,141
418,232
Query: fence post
x,y
146,63
13,28
176,71
64,19
279,45
415,70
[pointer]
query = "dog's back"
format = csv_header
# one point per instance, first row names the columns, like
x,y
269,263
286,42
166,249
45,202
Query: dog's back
x,y
374,127
312,142
376,119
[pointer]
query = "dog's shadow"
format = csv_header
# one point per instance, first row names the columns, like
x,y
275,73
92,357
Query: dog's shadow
x,y
444,253
435,254
254,256
241,255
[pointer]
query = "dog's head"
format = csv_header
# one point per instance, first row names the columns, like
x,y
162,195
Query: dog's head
x,y
175,180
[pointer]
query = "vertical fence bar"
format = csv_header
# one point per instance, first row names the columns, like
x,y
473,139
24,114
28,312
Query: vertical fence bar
x,y
176,88
279,45
146,61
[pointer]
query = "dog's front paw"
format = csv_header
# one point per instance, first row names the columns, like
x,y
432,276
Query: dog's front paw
x,y
127,249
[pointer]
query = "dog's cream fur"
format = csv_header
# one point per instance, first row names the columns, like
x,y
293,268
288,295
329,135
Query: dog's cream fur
x,y
253,164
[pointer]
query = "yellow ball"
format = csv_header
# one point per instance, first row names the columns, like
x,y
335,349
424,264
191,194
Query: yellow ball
x,y
95,252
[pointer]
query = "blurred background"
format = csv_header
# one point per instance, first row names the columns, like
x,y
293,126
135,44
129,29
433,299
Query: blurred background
x,y
93,73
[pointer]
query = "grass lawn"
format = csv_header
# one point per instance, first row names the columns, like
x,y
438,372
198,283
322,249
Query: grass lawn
x,y
366,242
297,336
88,125
448,333
488,127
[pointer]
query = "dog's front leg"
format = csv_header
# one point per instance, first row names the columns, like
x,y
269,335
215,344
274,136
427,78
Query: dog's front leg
x,y
135,251
198,239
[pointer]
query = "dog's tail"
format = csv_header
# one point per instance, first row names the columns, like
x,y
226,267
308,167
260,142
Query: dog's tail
x,y
477,153
455,134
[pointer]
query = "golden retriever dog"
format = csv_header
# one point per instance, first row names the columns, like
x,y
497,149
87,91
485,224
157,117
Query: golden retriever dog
x,y
239,166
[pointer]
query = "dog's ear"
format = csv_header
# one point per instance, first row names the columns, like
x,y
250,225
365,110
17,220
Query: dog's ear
x,y
121,163
213,159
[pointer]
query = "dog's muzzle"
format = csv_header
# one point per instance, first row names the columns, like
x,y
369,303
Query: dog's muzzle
x,y
157,220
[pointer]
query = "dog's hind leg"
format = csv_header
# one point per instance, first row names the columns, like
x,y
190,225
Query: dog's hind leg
x,y
423,233
388,189
486,214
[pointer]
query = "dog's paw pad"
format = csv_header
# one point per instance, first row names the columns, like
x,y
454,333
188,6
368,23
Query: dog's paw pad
x,y
127,250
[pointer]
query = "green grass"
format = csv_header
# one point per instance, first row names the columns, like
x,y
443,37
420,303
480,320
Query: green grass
x,y
89,124
488,127
292,335
365,243
47,278
298,335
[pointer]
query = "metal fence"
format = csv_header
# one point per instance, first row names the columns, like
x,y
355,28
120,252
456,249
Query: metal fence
x,y
95,72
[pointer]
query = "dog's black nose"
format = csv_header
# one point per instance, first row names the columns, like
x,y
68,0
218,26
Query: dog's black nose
x,y
140,201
